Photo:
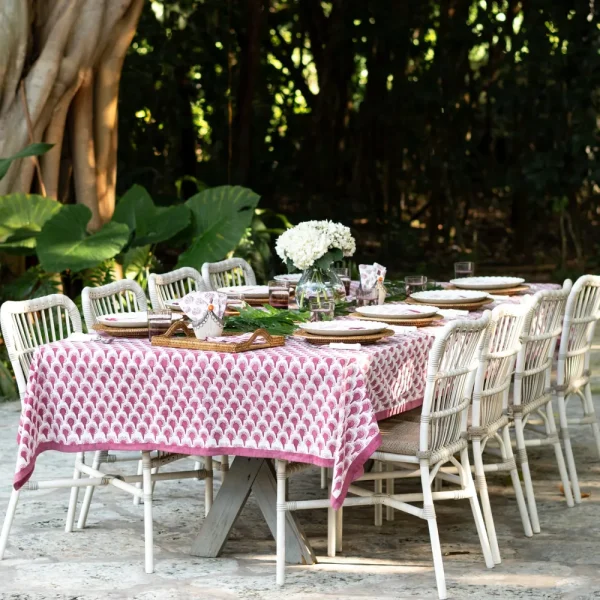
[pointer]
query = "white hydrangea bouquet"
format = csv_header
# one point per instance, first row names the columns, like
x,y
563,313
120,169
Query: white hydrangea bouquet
x,y
312,247
315,244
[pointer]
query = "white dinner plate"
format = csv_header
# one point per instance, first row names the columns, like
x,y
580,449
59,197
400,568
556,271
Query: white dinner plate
x,y
486,283
132,319
173,304
291,278
344,328
449,296
398,311
249,291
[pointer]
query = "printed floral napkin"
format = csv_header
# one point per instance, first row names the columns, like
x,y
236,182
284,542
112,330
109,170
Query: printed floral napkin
x,y
196,305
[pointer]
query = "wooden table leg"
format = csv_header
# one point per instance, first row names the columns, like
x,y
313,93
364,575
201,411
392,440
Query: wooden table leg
x,y
246,474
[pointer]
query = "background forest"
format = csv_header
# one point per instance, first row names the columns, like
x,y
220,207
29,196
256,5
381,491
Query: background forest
x,y
426,126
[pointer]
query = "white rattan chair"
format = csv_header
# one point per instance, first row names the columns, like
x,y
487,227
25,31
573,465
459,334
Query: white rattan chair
x,y
119,297
490,411
418,444
174,285
573,374
25,326
532,396
233,271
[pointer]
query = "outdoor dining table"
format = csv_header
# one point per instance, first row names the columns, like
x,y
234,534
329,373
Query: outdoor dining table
x,y
300,403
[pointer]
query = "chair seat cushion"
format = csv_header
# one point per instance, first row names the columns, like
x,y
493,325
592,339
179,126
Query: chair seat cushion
x,y
400,434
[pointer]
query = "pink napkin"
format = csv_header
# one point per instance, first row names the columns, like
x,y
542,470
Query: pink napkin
x,y
370,274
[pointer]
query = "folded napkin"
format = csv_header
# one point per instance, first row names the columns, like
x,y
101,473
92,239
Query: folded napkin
x,y
371,274
197,305
82,337
400,329
343,346
450,313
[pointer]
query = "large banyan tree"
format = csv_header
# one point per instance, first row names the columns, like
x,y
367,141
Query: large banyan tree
x,y
60,66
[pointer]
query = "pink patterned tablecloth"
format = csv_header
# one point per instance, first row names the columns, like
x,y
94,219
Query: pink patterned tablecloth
x,y
298,402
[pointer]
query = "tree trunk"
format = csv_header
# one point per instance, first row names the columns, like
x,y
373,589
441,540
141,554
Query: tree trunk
x,y
69,55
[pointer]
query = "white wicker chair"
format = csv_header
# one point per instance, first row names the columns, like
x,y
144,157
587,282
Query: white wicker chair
x,y
490,411
25,326
174,285
418,444
573,375
121,296
532,396
233,271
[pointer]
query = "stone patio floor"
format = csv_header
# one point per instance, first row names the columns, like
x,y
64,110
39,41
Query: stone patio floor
x,y
105,561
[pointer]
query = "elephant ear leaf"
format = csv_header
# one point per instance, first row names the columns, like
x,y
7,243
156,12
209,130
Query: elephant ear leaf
x,y
31,150
150,224
220,217
64,243
21,220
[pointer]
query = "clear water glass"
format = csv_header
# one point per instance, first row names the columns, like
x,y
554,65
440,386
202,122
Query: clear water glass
x,y
464,269
415,283
158,322
321,311
367,297
344,274
279,294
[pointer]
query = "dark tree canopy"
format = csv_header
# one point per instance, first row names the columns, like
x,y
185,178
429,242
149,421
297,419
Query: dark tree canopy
x,y
470,125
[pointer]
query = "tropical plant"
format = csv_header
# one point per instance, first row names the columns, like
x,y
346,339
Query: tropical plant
x,y
31,150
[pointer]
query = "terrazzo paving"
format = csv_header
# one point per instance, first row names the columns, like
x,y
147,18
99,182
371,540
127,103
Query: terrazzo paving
x,y
105,561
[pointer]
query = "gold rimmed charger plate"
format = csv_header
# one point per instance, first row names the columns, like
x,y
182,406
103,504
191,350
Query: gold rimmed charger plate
x,y
455,306
322,340
513,291
401,322
124,332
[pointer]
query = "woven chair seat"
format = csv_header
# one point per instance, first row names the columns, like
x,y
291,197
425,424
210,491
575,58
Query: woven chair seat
x,y
400,434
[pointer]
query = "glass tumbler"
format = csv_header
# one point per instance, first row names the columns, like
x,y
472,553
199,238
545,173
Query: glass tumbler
x,y
158,322
344,274
464,269
321,310
279,294
415,283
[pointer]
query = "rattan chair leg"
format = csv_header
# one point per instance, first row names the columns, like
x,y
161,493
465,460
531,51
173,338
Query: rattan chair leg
x,y
590,410
436,549
136,499
89,492
476,509
281,514
524,464
389,489
514,475
74,495
8,519
560,459
485,501
148,524
564,434
208,485
378,487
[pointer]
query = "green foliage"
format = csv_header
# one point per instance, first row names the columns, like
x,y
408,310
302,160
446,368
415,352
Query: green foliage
x,y
150,224
21,220
34,283
31,150
138,263
64,243
273,320
220,217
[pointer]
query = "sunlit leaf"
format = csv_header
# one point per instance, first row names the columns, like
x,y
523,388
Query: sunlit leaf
x,y
64,243
220,217
31,150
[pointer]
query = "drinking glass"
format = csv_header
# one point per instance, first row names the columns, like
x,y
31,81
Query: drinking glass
x,y
464,269
279,294
321,310
158,322
415,283
344,274
366,297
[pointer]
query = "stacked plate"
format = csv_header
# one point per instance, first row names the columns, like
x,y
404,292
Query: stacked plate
x,y
458,299
492,285
292,278
325,332
399,314
133,324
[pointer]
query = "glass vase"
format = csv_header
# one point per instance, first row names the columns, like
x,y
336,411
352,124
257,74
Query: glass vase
x,y
319,284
